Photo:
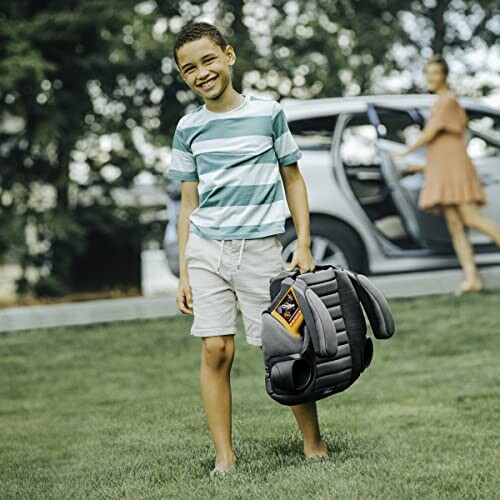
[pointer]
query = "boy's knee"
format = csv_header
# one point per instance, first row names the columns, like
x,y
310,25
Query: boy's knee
x,y
217,351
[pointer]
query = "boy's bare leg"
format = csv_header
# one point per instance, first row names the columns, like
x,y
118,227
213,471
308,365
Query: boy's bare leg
x,y
217,355
307,417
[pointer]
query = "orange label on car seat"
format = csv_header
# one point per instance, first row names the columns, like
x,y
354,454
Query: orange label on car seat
x,y
289,313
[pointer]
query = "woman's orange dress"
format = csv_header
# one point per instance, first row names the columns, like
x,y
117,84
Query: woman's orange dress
x,y
450,175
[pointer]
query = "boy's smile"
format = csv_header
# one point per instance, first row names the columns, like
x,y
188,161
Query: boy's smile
x,y
208,83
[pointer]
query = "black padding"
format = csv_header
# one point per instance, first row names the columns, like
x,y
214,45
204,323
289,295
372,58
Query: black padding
x,y
275,283
292,374
334,348
317,320
334,366
333,379
324,333
354,320
367,353
376,306
382,311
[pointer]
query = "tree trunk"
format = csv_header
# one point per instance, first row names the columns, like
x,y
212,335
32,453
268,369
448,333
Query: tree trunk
x,y
437,18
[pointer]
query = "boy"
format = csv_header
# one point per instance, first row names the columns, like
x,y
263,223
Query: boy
x,y
227,153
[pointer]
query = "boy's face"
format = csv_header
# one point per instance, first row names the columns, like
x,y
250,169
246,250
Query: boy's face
x,y
204,62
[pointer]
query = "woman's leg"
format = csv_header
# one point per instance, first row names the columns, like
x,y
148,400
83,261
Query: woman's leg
x,y
217,354
472,217
307,417
463,247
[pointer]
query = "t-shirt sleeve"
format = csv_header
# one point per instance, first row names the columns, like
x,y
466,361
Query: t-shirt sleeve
x,y
285,146
448,115
183,164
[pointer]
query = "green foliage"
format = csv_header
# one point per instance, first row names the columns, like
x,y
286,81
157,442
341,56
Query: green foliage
x,y
58,61
89,89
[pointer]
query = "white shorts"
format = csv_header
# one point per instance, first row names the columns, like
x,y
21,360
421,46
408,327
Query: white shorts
x,y
218,284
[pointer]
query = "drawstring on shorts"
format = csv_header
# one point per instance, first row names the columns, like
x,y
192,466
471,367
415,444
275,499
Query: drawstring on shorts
x,y
220,254
241,252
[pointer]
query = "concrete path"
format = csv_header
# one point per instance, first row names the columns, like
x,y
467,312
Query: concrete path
x,y
164,306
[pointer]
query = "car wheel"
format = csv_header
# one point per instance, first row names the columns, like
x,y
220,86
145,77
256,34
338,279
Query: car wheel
x,y
332,242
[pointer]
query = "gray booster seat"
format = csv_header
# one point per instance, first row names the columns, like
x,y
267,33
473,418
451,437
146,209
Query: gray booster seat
x,y
314,338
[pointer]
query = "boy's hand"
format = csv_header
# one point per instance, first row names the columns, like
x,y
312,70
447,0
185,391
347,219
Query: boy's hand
x,y
303,259
184,298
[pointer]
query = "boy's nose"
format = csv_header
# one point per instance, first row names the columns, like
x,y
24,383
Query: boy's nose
x,y
203,75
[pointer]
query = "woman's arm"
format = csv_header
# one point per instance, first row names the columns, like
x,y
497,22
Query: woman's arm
x,y
413,169
426,136
296,196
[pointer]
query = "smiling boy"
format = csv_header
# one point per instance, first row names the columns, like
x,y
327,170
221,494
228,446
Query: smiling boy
x,y
234,155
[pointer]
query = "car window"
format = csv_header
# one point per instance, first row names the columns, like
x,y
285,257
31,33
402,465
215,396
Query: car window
x,y
483,135
398,126
314,133
358,146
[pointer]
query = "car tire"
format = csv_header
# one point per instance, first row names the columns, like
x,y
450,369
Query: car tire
x,y
333,239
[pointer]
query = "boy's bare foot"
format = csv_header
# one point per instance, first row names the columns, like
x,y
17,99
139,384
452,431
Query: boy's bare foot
x,y
224,465
319,451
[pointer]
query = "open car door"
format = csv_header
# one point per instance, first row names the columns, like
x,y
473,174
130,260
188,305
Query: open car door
x,y
483,147
428,230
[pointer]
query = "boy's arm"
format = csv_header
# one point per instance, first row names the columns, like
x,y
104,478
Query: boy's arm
x,y
189,201
296,196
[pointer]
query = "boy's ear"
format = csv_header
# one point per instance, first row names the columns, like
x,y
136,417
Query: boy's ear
x,y
230,54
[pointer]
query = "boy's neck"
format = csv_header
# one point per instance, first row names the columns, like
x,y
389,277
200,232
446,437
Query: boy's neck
x,y
227,101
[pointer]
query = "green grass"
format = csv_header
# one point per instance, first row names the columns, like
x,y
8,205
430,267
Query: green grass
x,y
114,410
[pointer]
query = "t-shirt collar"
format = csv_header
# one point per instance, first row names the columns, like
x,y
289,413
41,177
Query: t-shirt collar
x,y
213,113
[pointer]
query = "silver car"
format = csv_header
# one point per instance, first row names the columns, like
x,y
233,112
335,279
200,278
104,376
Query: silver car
x,y
363,210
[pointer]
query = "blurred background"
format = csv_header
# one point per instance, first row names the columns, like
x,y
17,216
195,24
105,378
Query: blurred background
x,y
90,97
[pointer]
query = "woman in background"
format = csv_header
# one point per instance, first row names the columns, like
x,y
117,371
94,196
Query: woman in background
x,y
452,186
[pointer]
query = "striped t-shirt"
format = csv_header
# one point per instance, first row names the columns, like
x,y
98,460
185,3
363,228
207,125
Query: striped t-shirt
x,y
234,156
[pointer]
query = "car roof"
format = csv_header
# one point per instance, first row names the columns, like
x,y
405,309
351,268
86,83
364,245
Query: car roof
x,y
296,109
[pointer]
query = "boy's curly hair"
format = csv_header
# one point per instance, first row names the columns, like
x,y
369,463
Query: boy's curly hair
x,y
194,31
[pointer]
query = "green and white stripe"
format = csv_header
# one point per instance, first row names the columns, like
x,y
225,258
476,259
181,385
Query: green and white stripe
x,y
234,157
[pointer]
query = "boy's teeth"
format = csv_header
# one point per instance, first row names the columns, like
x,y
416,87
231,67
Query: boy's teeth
x,y
207,84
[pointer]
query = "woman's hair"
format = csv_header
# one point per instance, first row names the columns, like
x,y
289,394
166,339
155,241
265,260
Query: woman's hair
x,y
195,31
439,59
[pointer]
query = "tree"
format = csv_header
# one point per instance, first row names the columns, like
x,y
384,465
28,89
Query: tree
x,y
69,106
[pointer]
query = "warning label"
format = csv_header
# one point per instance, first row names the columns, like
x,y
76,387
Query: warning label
x,y
289,309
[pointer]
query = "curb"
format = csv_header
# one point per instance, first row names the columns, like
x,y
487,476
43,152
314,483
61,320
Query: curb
x,y
101,311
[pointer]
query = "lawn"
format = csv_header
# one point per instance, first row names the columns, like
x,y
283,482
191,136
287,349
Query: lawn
x,y
114,410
